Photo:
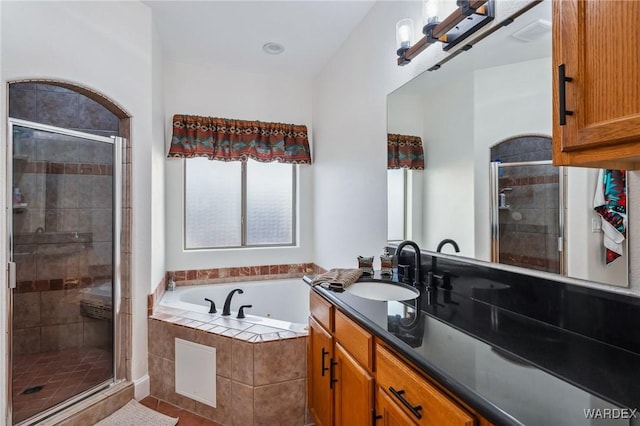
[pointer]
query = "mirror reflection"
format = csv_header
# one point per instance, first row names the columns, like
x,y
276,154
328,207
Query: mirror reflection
x,y
485,122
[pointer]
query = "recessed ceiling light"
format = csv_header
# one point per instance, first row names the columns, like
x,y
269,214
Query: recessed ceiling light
x,y
273,48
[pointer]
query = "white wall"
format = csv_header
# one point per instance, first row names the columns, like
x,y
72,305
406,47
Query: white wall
x,y
449,167
221,92
404,117
106,46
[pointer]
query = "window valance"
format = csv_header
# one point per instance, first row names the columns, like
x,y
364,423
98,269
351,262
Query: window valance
x,y
237,140
404,151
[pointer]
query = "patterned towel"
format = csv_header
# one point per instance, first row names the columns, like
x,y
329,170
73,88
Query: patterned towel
x,y
338,278
610,202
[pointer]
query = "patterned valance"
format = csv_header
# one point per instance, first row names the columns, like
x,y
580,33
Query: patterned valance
x,y
404,152
237,140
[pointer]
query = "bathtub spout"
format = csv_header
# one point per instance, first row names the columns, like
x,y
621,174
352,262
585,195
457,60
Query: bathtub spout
x,y
226,310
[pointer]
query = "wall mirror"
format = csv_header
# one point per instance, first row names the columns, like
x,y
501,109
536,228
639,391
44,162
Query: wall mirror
x,y
485,121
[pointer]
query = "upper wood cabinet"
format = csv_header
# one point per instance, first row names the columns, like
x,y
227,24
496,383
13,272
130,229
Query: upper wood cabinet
x,y
596,106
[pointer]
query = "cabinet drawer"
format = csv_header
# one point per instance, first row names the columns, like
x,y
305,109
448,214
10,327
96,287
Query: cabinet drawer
x,y
408,389
321,310
357,341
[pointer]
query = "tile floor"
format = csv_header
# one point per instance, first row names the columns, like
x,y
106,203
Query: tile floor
x,y
61,374
186,418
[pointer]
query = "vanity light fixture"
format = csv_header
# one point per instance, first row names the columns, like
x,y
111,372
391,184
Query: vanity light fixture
x,y
467,17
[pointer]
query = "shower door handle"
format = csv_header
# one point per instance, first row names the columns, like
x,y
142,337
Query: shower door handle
x,y
11,268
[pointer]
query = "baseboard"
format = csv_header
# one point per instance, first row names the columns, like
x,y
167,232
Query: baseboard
x,y
141,387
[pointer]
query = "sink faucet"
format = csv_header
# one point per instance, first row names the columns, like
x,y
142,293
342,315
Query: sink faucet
x,y
226,310
416,250
445,242
434,264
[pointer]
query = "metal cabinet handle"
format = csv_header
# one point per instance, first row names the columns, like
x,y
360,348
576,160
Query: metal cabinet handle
x,y
414,410
562,79
324,353
332,378
375,417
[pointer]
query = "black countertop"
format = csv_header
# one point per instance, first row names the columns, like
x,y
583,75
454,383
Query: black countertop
x,y
512,369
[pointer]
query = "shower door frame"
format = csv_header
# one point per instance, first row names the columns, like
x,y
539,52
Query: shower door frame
x,y
117,143
494,185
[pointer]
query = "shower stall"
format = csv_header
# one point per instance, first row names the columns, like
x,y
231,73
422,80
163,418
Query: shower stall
x,y
527,204
527,222
64,251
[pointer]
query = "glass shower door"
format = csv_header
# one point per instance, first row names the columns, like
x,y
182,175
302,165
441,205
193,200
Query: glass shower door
x,y
65,248
526,215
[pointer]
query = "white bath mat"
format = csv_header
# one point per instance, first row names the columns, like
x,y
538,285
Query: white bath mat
x,y
137,414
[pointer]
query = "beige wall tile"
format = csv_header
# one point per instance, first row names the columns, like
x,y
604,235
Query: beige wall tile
x,y
58,337
26,341
96,333
222,413
289,355
60,307
26,309
242,362
162,337
282,404
242,404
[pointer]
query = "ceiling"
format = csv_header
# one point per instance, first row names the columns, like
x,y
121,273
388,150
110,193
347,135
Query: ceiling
x,y
232,33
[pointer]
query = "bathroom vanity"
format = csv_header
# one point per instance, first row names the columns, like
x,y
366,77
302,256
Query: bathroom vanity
x,y
472,355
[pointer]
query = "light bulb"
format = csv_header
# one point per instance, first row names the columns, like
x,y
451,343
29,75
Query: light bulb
x,y
404,33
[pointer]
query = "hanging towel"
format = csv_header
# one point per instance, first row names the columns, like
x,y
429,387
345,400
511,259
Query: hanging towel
x,y
338,278
610,202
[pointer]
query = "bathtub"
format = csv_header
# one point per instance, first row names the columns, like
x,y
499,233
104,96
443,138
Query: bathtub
x,y
282,303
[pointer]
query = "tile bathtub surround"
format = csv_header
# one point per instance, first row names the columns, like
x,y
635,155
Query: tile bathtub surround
x,y
242,273
261,371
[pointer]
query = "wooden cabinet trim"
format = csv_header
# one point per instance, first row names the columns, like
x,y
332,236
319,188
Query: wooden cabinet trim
x,y
355,339
437,408
322,310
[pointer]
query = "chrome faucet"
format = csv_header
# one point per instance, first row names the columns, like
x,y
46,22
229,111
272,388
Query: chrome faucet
x,y
416,250
226,310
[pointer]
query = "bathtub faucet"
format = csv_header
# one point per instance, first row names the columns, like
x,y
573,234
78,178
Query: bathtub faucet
x,y
226,310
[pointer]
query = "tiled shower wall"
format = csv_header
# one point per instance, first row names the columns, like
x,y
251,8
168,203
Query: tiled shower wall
x,y
62,240
529,226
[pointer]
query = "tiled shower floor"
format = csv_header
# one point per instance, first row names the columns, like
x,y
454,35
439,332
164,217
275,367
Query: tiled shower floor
x,y
61,374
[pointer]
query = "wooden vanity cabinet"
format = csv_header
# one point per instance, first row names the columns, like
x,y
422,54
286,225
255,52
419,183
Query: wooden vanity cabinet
x,y
354,380
319,358
595,45
340,381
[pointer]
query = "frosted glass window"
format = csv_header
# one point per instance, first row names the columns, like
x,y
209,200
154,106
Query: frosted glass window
x,y
220,212
396,204
269,203
213,203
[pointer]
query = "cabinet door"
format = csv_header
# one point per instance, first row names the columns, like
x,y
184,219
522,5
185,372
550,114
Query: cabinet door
x,y
596,42
320,355
353,391
388,413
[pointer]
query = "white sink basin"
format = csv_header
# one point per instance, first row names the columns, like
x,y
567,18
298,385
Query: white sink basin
x,y
378,290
